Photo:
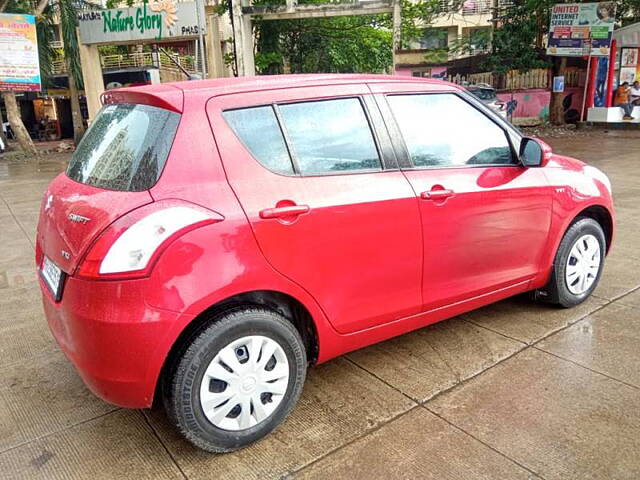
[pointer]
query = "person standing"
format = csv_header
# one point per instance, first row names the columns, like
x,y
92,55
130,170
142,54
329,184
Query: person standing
x,y
622,100
635,93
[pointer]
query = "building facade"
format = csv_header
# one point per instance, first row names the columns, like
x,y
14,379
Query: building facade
x,y
456,31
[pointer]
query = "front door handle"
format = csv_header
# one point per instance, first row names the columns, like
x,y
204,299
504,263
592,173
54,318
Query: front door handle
x,y
436,194
287,212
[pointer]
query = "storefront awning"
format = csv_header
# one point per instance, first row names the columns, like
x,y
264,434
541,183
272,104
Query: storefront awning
x,y
628,36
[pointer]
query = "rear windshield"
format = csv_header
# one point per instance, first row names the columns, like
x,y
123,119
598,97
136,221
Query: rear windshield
x,y
125,148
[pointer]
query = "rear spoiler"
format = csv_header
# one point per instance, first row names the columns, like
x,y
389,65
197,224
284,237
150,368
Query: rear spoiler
x,y
161,96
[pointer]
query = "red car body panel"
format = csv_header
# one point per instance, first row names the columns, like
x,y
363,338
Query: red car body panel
x,y
62,234
111,336
576,188
351,221
379,260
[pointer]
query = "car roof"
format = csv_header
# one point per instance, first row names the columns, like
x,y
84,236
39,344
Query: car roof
x,y
268,82
228,85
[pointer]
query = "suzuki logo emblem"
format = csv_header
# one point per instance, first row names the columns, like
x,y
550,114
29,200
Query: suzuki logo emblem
x,y
47,205
78,218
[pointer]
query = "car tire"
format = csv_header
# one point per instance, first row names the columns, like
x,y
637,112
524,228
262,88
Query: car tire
x,y
575,277
263,390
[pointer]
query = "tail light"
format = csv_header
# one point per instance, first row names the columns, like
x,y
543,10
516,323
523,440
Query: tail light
x,y
131,245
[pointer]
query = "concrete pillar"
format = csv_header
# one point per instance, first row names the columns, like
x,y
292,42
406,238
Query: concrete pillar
x,y
215,59
243,35
91,77
396,32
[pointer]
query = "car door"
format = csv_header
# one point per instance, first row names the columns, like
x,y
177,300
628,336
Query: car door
x,y
327,204
485,217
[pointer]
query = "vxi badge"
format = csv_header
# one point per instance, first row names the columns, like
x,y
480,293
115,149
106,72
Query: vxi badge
x,y
78,218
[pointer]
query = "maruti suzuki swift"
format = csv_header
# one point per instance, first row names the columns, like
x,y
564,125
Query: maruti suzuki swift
x,y
210,240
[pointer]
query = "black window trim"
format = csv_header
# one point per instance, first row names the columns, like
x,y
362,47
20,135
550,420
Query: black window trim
x,y
386,163
381,133
402,151
293,157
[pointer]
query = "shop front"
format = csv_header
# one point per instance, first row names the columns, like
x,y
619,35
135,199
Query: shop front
x,y
625,57
628,61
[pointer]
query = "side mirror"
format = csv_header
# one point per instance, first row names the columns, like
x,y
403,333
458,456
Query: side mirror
x,y
534,152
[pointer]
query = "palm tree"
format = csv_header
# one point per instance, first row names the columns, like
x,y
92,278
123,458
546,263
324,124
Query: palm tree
x,y
46,11
67,12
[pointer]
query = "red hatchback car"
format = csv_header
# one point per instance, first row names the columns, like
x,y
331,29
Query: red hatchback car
x,y
211,239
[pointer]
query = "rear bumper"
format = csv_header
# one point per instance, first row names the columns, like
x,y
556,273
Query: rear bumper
x,y
111,336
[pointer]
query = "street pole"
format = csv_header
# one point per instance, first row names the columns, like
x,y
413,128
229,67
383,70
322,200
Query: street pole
x,y
202,56
396,32
586,80
495,9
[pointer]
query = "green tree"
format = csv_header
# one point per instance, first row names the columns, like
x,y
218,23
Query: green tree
x,y
515,41
628,12
341,45
338,44
67,12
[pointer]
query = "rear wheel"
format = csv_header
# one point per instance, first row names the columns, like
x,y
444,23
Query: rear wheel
x,y
578,264
237,379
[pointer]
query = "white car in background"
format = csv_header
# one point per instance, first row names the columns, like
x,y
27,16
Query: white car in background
x,y
487,95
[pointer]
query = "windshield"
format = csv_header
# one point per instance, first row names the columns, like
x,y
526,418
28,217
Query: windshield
x,y
125,148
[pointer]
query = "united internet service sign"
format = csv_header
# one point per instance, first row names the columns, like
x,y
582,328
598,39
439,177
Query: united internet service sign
x,y
154,21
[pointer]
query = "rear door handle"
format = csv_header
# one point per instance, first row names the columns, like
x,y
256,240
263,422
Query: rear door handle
x,y
436,194
284,212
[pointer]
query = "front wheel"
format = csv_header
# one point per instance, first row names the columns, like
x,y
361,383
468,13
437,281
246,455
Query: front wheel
x,y
578,264
237,379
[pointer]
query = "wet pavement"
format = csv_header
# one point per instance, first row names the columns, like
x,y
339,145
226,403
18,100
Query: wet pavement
x,y
513,390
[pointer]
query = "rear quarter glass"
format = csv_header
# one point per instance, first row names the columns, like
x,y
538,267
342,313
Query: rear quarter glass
x,y
126,148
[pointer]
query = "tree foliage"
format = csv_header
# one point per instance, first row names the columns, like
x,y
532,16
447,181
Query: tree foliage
x,y
338,44
628,11
517,42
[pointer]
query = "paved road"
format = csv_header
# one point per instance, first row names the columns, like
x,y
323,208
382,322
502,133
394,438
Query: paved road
x,y
514,390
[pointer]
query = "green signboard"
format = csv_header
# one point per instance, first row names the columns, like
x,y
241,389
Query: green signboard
x,y
155,21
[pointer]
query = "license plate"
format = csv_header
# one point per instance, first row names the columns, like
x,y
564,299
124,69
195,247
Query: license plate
x,y
52,276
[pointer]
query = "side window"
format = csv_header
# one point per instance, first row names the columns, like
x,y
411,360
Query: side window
x,y
442,130
330,136
258,129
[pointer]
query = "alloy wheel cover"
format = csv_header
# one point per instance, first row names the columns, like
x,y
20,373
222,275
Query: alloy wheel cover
x,y
244,383
583,264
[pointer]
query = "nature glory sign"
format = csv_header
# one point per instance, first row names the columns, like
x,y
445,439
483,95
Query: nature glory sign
x,y
119,21
155,21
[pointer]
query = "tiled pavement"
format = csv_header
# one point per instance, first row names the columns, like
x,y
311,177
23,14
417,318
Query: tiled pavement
x,y
513,390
